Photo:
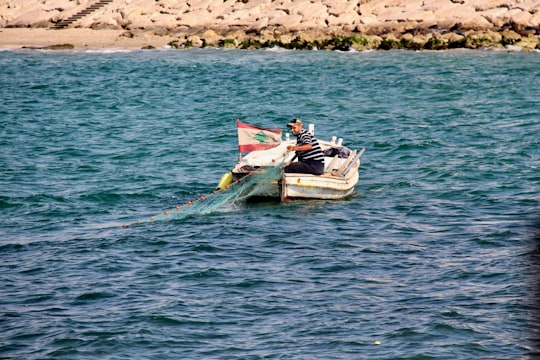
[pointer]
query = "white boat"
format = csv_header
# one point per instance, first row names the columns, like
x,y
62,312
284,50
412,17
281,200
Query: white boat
x,y
338,181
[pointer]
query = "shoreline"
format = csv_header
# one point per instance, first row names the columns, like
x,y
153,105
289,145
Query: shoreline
x,y
89,39
291,24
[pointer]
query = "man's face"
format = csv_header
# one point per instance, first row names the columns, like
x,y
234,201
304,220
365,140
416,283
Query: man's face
x,y
296,129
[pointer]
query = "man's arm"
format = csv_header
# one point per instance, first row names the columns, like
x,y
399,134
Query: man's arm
x,y
303,147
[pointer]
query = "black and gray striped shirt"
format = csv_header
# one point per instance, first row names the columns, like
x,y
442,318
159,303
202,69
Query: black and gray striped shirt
x,y
315,154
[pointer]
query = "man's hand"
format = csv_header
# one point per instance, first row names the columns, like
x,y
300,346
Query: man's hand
x,y
303,147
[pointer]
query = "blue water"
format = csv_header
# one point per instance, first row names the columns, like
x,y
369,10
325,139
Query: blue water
x,y
433,257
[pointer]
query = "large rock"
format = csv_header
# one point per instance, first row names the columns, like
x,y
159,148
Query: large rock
x,y
200,4
369,19
496,16
535,20
210,38
482,39
196,18
511,37
443,9
243,18
167,21
340,7
348,18
309,10
476,22
520,19
32,18
452,38
483,5
289,22
137,22
258,25
421,16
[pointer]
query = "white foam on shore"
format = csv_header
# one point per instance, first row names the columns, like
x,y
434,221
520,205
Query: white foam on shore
x,y
277,49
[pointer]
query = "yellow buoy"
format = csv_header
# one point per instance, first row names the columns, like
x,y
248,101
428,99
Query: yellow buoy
x,y
225,181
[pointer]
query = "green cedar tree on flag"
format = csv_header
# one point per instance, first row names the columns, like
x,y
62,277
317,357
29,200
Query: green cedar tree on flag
x,y
251,137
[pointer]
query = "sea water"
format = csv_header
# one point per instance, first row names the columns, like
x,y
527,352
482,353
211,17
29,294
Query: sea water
x,y
433,257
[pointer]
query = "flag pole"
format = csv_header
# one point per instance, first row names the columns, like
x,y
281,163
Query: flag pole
x,y
239,152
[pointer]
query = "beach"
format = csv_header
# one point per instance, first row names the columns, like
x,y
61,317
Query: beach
x,y
79,38
246,24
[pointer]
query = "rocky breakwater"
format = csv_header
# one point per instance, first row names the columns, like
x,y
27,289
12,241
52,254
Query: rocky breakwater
x,y
301,24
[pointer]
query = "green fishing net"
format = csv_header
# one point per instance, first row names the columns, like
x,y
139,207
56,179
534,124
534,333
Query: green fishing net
x,y
263,182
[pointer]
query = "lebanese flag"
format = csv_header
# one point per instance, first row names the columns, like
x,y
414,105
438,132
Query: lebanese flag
x,y
251,137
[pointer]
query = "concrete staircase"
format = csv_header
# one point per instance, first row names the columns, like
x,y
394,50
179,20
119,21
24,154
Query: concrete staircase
x,y
70,20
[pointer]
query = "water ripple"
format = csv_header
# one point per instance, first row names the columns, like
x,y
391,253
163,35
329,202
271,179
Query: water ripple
x,y
431,258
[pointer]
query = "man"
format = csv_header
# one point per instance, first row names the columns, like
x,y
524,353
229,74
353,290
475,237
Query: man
x,y
309,152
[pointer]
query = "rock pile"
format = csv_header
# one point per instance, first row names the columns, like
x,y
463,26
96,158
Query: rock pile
x,y
333,24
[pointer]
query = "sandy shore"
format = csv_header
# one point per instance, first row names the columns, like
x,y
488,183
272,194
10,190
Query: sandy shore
x,y
80,38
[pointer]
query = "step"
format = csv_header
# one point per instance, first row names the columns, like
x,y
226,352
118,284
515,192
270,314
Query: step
x,y
81,14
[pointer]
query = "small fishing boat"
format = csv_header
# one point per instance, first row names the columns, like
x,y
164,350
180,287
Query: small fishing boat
x,y
338,181
260,175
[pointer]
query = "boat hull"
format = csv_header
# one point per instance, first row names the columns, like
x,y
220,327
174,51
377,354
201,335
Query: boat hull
x,y
326,187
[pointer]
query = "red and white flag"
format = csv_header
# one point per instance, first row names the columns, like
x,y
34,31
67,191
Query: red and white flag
x,y
251,137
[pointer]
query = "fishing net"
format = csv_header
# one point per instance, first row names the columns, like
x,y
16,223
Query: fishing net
x,y
263,182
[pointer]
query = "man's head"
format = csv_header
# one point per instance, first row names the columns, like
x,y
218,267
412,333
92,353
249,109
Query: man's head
x,y
295,125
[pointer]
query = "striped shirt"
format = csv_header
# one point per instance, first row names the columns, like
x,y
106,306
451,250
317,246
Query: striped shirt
x,y
315,154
